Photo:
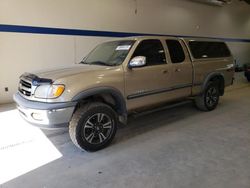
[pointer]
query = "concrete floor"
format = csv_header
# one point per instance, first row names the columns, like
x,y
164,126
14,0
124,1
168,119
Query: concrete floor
x,y
181,147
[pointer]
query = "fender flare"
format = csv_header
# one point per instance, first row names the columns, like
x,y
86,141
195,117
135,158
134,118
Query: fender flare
x,y
209,77
119,99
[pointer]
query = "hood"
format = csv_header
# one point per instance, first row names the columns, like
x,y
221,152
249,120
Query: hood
x,y
55,74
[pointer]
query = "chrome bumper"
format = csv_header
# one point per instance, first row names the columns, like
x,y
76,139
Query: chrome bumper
x,y
45,115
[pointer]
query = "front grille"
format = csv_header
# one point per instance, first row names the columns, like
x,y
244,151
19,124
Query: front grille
x,y
25,87
25,84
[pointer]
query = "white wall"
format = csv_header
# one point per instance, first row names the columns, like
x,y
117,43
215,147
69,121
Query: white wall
x,y
23,52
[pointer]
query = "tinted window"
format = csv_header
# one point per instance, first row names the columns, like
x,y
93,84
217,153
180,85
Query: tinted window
x,y
202,49
152,50
175,50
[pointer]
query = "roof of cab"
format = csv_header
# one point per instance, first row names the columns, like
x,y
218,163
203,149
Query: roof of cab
x,y
149,37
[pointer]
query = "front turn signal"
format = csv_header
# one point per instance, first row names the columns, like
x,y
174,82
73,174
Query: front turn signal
x,y
56,91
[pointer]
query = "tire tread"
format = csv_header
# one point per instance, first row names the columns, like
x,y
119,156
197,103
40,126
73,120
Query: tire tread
x,y
73,126
200,100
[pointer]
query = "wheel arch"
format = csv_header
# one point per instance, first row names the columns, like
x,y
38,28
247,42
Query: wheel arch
x,y
215,77
108,95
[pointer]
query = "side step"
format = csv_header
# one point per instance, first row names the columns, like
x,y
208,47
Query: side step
x,y
165,107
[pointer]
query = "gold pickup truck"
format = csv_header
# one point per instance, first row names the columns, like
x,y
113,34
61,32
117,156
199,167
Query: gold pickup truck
x,y
124,76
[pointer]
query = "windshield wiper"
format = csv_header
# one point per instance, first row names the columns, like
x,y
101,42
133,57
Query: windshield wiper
x,y
83,62
98,63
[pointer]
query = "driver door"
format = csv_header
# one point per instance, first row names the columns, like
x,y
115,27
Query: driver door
x,y
145,86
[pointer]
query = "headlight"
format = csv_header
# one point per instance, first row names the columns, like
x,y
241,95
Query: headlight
x,y
55,91
49,91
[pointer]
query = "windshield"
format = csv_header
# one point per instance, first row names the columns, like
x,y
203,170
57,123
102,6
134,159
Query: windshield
x,y
109,53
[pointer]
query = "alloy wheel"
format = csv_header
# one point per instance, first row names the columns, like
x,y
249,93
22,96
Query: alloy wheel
x,y
212,96
97,128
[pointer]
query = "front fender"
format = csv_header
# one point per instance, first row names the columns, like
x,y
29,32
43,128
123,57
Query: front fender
x,y
119,99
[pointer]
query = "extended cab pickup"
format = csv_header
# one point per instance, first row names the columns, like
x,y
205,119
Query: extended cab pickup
x,y
121,77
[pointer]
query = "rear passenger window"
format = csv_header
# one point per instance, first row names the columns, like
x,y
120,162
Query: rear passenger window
x,y
176,51
152,50
203,49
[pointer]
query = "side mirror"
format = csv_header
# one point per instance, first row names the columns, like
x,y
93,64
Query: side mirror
x,y
138,61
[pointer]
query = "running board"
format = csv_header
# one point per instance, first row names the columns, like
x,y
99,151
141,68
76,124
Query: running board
x,y
161,108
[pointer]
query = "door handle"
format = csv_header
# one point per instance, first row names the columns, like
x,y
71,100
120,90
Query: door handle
x,y
165,71
177,70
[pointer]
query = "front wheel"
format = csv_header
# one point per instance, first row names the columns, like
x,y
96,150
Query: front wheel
x,y
93,126
209,99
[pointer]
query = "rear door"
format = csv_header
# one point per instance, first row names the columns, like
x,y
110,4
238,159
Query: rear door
x,y
182,70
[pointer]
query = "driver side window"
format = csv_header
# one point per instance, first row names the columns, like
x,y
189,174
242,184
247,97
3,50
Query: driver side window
x,y
153,51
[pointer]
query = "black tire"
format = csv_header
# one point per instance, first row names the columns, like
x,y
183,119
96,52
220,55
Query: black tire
x,y
87,126
210,97
248,78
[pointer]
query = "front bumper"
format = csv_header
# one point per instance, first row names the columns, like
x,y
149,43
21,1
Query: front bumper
x,y
45,115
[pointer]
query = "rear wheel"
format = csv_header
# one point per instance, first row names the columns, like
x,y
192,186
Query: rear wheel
x,y
248,78
209,99
93,126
